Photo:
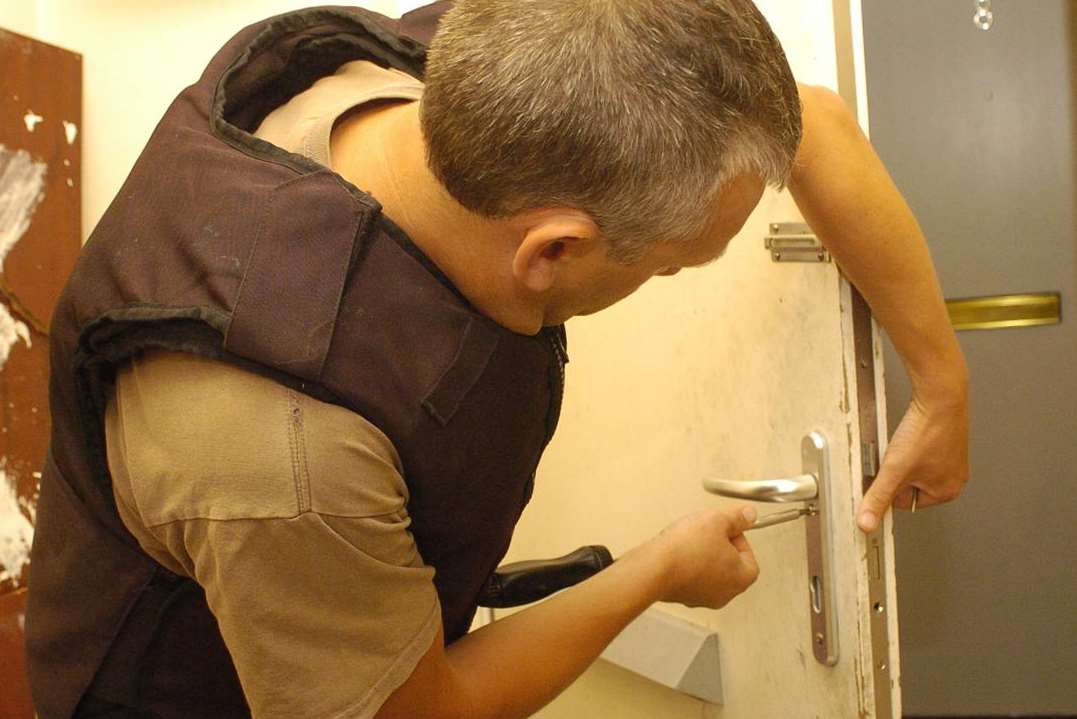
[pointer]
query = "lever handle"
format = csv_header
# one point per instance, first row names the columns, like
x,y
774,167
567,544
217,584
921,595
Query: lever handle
x,y
812,487
801,488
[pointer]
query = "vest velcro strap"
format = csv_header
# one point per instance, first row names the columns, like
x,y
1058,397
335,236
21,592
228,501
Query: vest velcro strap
x,y
477,344
298,300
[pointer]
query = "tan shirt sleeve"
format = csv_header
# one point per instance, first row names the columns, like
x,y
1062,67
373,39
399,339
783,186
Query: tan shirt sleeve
x,y
292,514
305,123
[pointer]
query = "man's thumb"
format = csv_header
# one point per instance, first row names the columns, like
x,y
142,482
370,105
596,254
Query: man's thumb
x,y
744,519
875,503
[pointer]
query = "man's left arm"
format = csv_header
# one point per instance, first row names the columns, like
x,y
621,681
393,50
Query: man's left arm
x,y
848,198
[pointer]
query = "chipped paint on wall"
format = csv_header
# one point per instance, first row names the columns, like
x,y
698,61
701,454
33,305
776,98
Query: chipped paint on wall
x,y
11,331
16,532
71,131
32,120
22,187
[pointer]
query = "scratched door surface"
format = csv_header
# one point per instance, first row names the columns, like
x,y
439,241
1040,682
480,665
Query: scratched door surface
x,y
40,118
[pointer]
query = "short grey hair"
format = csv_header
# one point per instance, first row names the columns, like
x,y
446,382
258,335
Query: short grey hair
x,y
637,112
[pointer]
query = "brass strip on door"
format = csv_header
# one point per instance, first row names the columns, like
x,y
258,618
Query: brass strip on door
x,y
993,312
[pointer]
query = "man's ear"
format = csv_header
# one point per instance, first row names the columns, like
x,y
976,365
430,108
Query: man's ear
x,y
552,241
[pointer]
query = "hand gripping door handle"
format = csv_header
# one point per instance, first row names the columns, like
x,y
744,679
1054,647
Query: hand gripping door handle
x,y
812,486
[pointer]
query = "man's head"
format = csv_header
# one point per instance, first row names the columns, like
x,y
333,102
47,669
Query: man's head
x,y
636,113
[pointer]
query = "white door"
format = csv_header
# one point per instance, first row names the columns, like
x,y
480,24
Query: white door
x,y
721,372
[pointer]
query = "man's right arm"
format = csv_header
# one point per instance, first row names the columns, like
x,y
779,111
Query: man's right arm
x,y
514,666
292,516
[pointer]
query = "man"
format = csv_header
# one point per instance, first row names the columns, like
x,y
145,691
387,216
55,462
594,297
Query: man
x,y
308,362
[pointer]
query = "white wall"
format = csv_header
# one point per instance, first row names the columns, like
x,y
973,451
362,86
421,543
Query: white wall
x,y
137,56
20,17
403,6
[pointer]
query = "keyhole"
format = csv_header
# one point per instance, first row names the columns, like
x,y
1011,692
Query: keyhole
x,y
816,588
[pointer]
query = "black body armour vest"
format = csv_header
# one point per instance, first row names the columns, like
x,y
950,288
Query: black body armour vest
x,y
223,245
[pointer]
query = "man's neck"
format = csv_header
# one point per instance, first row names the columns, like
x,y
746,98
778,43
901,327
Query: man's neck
x,y
382,152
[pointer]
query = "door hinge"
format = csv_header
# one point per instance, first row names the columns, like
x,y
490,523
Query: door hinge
x,y
794,242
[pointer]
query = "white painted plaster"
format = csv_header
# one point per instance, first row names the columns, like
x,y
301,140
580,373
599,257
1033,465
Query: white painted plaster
x,y
405,6
32,120
19,16
71,131
16,532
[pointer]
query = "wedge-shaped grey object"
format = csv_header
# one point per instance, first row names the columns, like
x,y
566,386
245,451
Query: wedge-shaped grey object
x,y
671,651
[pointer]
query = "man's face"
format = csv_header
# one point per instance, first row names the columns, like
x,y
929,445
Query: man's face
x,y
605,281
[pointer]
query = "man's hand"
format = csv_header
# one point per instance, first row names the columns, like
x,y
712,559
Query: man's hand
x,y
848,198
709,561
701,560
929,452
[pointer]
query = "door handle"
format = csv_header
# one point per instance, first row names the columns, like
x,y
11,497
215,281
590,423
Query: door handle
x,y
812,487
801,488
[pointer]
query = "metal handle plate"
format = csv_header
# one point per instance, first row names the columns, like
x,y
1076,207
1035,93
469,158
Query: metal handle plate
x,y
815,455
812,487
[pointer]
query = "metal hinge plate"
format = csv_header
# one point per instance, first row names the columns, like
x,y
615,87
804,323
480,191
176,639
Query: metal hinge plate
x,y
794,242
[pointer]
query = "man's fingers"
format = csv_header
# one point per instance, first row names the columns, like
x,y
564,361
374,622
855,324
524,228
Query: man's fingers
x,y
903,500
740,543
749,567
876,502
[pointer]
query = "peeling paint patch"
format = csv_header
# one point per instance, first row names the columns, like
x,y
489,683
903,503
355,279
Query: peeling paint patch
x,y
28,505
71,131
11,331
16,532
22,187
32,120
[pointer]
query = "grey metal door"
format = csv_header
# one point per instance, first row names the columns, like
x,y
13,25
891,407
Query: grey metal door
x,y
978,128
